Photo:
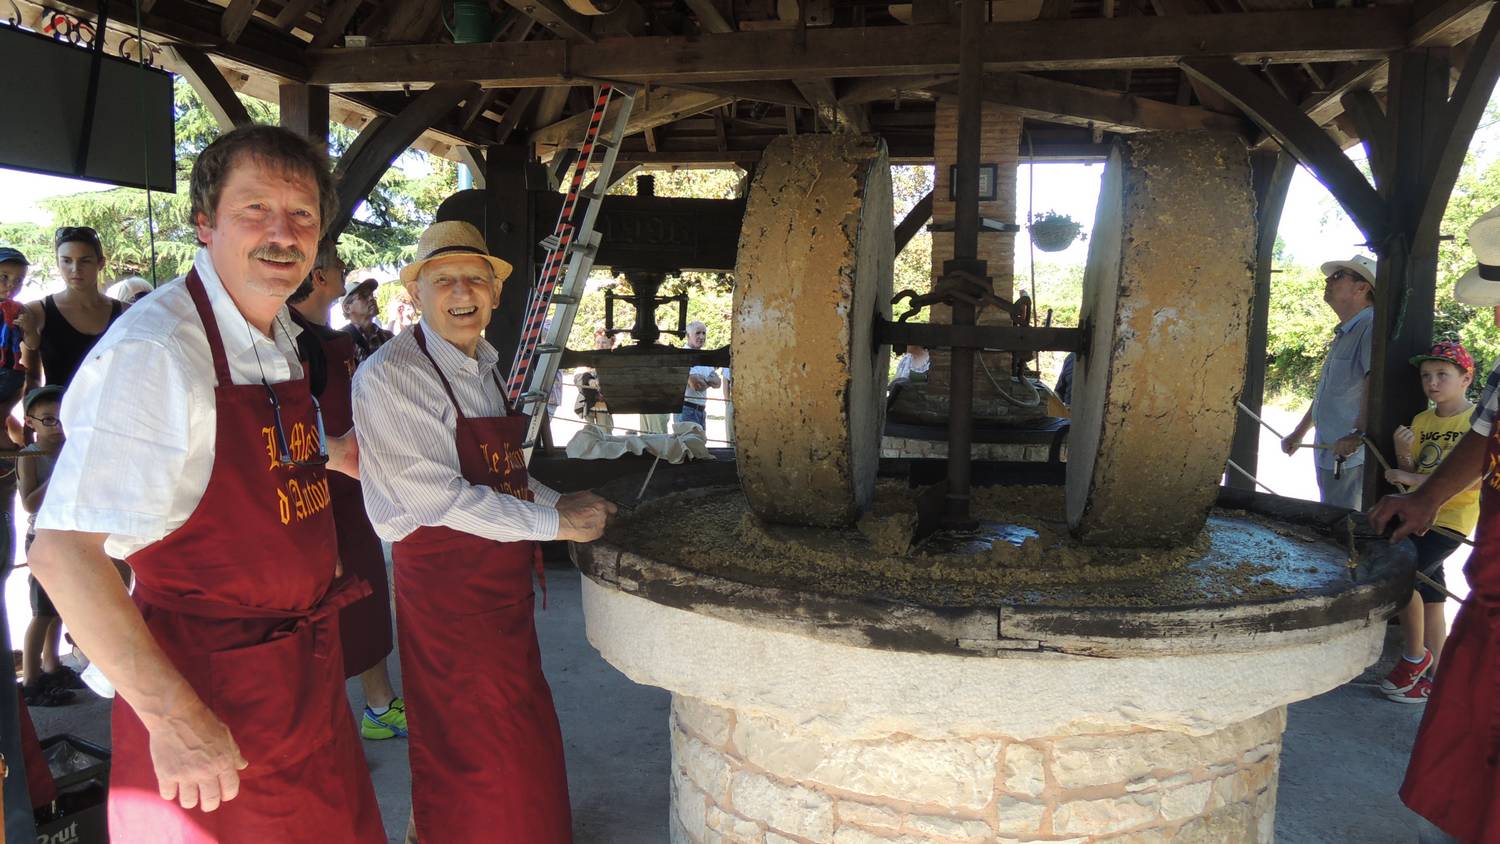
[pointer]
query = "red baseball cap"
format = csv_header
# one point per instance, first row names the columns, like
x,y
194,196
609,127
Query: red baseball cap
x,y
1448,351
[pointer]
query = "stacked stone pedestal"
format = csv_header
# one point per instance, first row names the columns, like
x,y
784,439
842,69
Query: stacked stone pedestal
x,y
740,778
787,727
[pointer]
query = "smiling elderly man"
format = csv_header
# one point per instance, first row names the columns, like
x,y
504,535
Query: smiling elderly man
x,y
194,453
445,481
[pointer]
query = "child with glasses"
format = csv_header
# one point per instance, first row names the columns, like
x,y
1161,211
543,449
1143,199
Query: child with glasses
x,y
45,681
13,268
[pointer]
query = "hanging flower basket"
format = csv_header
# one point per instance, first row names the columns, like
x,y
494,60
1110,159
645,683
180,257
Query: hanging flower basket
x,y
1053,232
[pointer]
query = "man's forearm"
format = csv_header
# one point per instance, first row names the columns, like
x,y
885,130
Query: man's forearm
x,y
84,584
1459,470
1304,424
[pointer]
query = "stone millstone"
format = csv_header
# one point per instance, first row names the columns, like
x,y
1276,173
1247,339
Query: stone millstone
x,y
815,263
1167,292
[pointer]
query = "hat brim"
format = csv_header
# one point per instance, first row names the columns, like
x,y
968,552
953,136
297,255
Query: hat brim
x,y
1477,292
502,268
1330,267
1418,360
365,286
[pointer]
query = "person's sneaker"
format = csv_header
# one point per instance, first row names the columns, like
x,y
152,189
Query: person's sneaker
x,y
1418,693
63,678
41,694
388,724
1405,675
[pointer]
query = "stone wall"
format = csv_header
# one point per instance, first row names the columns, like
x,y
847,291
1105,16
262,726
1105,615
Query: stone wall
x,y
748,779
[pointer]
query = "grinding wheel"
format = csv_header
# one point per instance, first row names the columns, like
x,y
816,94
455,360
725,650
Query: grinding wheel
x,y
815,266
1167,294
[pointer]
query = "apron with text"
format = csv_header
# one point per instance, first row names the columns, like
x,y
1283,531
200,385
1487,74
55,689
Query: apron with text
x,y
243,600
365,625
486,750
1453,778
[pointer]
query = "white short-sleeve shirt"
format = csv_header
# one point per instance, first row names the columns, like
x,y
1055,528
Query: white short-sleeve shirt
x,y
140,417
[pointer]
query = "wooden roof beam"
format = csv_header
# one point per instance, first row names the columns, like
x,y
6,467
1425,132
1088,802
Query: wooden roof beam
x,y
1080,105
1074,44
1300,136
232,23
664,106
215,91
834,114
1444,23
382,141
557,17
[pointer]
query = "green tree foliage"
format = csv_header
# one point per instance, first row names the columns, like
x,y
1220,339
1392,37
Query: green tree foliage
x,y
383,234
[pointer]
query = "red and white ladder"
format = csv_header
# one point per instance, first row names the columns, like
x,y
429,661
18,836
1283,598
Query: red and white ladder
x,y
570,257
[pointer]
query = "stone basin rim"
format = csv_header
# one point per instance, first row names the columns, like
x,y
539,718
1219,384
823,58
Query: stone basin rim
x,y
1015,629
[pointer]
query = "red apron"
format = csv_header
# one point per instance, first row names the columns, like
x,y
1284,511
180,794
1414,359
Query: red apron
x,y
242,599
486,751
365,625
1452,778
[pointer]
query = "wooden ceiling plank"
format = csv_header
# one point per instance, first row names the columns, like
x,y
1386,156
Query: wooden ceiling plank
x,y
1043,45
292,13
710,19
1443,23
1300,136
340,12
215,91
557,17
515,113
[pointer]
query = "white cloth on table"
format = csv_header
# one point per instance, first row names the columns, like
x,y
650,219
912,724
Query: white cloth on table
x,y
686,442
140,414
408,451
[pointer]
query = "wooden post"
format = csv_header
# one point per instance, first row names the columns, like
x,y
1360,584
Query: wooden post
x,y
304,108
512,174
1272,175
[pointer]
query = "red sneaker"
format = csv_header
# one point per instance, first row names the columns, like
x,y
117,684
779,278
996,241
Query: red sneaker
x,y
1406,674
1418,693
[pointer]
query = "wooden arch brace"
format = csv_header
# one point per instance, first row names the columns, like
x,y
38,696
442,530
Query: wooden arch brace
x,y
382,141
212,87
1299,135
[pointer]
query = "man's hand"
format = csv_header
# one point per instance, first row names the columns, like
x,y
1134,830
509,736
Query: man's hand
x,y
697,383
1347,445
1291,442
196,760
1403,477
1413,513
343,454
582,516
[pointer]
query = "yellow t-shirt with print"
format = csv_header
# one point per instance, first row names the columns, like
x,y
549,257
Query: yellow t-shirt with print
x,y
1435,437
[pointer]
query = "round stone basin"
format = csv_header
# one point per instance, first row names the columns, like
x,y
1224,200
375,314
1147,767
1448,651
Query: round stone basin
x,y
875,705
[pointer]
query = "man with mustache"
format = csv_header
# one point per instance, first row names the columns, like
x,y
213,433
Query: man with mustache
x,y
196,453
445,480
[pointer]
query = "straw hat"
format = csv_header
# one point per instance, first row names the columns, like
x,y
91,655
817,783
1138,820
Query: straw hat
x,y
1480,286
449,238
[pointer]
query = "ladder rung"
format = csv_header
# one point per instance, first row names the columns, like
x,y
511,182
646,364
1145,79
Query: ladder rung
x,y
548,349
550,243
535,396
564,299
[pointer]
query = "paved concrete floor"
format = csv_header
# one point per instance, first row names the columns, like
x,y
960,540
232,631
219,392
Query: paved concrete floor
x,y
1344,754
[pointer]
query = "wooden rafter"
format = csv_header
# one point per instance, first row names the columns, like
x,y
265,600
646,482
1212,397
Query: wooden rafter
x,y
514,114
372,152
292,14
409,20
1299,135
1081,105
236,16
340,12
215,91
1374,132
665,106
1450,137
1277,37
710,19
556,16
304,108
872,88
1444,23
844,117
1210,98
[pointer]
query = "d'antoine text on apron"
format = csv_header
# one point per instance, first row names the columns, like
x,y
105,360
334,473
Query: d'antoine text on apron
x,y
501,462
294,499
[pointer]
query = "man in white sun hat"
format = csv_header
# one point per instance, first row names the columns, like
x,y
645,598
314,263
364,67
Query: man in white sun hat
x,y
445,480
1452,780
1338,408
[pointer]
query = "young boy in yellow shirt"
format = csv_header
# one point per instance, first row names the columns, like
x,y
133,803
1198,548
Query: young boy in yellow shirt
x,y
1446,370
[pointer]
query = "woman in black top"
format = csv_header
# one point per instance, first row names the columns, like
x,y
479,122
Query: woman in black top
x,y
65,326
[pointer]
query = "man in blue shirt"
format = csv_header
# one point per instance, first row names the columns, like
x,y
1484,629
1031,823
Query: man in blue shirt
x,y
1338,408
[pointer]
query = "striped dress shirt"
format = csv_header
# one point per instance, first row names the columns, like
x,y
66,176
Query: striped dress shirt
x,y
408,453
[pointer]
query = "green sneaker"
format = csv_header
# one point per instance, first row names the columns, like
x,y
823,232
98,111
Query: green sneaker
x,y
388,724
